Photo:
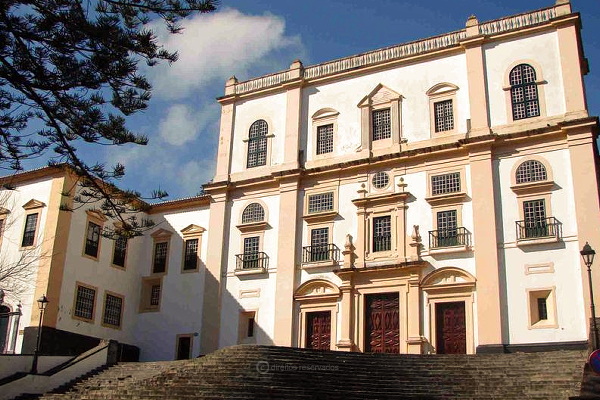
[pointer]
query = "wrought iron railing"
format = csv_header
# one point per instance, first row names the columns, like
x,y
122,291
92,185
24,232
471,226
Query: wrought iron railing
x,y
539,228
382,242
326,252
449,238
256,260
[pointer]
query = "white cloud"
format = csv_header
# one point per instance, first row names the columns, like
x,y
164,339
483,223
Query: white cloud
x,y
181,124
217,45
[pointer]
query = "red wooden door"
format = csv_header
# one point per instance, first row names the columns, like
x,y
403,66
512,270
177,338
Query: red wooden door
x,y
318,330
382,319
451,332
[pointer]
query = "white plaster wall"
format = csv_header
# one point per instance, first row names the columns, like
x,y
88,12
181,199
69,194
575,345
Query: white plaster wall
x,y
12,235
500,57
181,293
412,81
272,109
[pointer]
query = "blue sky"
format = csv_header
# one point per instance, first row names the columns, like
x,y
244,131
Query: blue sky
x,y
252,38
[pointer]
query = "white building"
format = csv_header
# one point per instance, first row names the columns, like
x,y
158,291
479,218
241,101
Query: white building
x,y
427,197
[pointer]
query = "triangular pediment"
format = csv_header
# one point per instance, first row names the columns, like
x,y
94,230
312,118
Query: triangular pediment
x,y
33,203
4,211
161,233
380,95
95,214
192,229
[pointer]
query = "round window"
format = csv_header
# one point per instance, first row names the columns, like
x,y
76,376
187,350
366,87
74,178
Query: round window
x,y
381,180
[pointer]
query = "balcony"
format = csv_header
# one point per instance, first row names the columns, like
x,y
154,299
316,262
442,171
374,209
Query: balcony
x,y
320,254
456,238
540,230
251,262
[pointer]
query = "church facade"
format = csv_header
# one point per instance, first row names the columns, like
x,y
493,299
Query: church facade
x,y
429,197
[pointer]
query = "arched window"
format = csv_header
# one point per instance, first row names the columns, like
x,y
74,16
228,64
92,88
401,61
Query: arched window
x,y
254,212
524,92
257,144
531,171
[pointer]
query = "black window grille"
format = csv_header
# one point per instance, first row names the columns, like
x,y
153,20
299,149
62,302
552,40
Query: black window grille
x,y
254,212
381,124
531,171
92,239
160,258
29,233
84,303
257,144
191,255
155,295
444,116
446,183
325,139
380,180
382,233
320,202
120,251
113,306
447,228
524,92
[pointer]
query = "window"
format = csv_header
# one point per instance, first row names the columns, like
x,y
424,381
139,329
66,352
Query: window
x,y
247,327
251,258
447,228
320,202
257,144
251,245
325,139
92,239
113,308
534,212
380,180
151,294
524,92
155,294
319,244
160,257
254,212
30,228
444,184
381,124
444,117
382,233
120,251
542,308
85,299
191,255
531,171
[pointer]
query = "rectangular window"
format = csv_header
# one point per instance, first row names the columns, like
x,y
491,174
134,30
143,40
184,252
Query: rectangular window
x,y
251,256
446,183
30,227
382,233
190,261
381,124
84,302
120,252
444,118
92,239
325,139
155,295
257,152
113,307
320,202
160,258
534,212
319,244
250,328
542,308
447,228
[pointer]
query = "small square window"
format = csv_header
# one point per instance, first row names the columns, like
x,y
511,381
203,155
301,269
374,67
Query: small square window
x,y
320,202
151,294
446,183
542,310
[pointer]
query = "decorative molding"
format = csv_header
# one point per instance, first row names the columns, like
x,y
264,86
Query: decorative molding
x,y
253,226
33,203
317,289
192,230
161,234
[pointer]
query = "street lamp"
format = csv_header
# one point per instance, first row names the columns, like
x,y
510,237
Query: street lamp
x,y
42,303
587,253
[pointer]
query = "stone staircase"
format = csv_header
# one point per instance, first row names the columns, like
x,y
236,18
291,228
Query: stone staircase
x,y
266,372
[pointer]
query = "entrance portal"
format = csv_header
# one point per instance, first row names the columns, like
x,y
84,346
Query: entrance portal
x,y
318,332
382,323
451,332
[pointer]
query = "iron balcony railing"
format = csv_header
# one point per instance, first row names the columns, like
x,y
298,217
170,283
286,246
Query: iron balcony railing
x,y
548,227
326,252
449,238
256,260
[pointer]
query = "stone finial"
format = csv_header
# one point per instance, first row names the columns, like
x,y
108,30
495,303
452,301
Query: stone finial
x,y
362,191
348,244
416,237
472,21
402,185
296,69
296,64
230,85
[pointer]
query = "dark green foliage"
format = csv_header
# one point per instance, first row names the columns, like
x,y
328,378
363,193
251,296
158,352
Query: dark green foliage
x,y
69,75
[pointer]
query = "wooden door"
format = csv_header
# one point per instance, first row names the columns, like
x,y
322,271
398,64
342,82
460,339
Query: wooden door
x,y
382,323
184,347
318,330
451,332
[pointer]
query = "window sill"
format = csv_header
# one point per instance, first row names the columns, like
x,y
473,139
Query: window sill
x,y
534,241
448,250
90,257
544,325
533,187
447,199
149,310
253,271
324,216
253,226
320,264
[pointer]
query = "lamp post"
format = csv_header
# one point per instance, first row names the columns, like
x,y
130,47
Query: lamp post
x,y
42,303
587,253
